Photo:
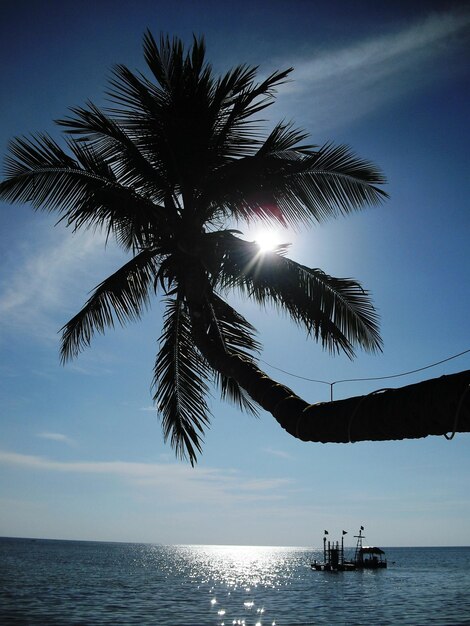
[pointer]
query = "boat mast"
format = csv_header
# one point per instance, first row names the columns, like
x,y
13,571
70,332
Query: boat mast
x,y
342,545
359,538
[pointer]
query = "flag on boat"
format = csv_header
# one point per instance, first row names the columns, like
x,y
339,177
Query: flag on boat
x,y
345,532
362,527
326,532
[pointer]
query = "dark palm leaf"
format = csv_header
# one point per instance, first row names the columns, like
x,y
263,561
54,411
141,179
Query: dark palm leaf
x,y
289,182
130,165
336,181
40,172
336,310
231,391
237,335
135,222
189,123
84,190
123,296
172,68
179,381
239,98
162,127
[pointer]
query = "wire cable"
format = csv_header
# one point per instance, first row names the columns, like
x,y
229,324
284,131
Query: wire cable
x,y
354,380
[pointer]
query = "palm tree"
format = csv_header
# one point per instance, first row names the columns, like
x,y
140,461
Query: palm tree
x,y
166,171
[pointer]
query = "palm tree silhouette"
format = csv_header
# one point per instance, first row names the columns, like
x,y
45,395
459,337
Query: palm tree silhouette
x,y
166,171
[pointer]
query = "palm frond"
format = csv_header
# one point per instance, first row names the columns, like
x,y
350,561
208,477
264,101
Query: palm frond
x,y
188,123
236,335
40,172
231,391
130,166
173,132
135,222
83,190
286,141
172,68
180,377
337,311
237,98
122,296
336,181
289,182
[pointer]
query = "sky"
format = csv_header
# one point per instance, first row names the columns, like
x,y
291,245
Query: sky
x,y
81,449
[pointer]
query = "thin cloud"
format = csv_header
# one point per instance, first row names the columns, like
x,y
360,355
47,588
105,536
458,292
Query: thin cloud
x,y
341,85
56,437
279,453
121,468
178,481
42,286
90,369
266,484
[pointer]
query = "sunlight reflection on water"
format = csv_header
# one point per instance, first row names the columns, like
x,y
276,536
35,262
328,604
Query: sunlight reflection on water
x,y
235,578
64,582
243,567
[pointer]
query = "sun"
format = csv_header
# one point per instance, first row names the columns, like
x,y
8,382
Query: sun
x,y
267,240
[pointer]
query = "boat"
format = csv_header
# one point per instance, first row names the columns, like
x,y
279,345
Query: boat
x,y
365,557
368,557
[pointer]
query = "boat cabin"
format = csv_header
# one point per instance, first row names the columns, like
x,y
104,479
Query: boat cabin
x,y
370,558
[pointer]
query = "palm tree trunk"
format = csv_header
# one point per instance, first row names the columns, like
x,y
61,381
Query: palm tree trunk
x,y
434,407
439,406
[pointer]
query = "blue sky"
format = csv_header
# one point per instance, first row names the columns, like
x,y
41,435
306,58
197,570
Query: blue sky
x,y
81,449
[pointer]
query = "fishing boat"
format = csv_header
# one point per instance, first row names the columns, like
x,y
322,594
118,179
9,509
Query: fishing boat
x,y
368,557
365,557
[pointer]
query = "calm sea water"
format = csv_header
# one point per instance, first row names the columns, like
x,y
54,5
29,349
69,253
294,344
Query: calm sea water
x,y
77,582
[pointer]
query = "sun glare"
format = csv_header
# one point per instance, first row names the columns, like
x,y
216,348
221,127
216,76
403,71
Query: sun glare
x,y
267,240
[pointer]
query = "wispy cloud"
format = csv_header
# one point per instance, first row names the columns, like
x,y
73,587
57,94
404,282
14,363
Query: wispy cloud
x,y
50,274
178,481
56,437
279,453
340,85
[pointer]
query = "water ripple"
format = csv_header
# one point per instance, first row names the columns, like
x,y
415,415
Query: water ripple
x,y
64,582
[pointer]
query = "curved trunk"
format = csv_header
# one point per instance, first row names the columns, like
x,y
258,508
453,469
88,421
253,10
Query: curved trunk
x,y
434,407
439,406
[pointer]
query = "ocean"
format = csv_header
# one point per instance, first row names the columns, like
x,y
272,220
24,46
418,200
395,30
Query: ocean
x,y
81,582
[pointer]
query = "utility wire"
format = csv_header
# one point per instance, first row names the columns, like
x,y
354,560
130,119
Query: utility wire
x,y
354,380
420,369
